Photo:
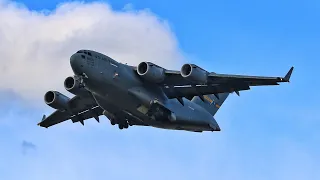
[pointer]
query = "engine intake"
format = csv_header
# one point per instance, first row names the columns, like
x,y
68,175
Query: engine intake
x,y
56,100
194,74
151,72
74,86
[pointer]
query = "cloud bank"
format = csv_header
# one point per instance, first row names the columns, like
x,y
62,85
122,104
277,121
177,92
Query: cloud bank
x,y
35,46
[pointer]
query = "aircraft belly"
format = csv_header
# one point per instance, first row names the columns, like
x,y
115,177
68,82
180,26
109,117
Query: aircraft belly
x,y
191,114
118,99
188,117
116,92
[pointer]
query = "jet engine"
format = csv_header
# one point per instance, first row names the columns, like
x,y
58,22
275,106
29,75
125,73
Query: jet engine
x,y
194,74
56,100
73,85
151,72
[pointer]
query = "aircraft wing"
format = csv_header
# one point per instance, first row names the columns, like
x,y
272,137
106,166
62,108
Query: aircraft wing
x,y
190,91
250,80
175,86
81,108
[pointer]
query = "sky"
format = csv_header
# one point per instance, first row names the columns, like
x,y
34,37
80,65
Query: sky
x,y
267,132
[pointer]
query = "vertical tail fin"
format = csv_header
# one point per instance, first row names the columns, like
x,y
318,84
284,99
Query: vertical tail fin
x,y
211,103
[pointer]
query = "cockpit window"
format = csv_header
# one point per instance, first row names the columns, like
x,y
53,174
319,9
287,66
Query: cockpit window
x,y
89,53
80,51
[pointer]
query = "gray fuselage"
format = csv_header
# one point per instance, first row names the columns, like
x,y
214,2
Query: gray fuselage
x,y
116,86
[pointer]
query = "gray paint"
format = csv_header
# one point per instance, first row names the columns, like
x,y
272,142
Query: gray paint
x,y
106,87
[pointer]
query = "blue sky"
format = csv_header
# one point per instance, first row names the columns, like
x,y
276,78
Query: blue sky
x,y
267,132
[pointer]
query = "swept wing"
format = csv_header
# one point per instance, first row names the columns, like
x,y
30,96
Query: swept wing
x,y
81,108
175,86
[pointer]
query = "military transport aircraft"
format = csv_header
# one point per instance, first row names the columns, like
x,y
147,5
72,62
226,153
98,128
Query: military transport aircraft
x,y
146,95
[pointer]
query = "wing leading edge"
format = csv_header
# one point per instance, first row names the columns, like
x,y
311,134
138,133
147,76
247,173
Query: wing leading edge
x,y
175,86
250,80
81,108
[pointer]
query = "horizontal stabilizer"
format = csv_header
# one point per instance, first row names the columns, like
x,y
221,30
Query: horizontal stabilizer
x,y
211,103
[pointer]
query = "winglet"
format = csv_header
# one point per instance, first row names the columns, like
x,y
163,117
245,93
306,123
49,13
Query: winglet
x,y
288,75
43,118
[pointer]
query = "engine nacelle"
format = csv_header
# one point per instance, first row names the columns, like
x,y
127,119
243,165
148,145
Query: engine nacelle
x,y
151,72
194,73
56,100
74,86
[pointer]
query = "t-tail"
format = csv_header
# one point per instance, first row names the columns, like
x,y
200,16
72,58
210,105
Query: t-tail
x,y
211,102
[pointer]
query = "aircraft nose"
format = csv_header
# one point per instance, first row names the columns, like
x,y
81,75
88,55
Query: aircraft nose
x,y
76,62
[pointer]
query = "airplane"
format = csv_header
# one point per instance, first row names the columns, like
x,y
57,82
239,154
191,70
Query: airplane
x,y
146,95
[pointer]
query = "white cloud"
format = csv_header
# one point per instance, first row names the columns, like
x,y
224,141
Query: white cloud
x,y
35,46
35,49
